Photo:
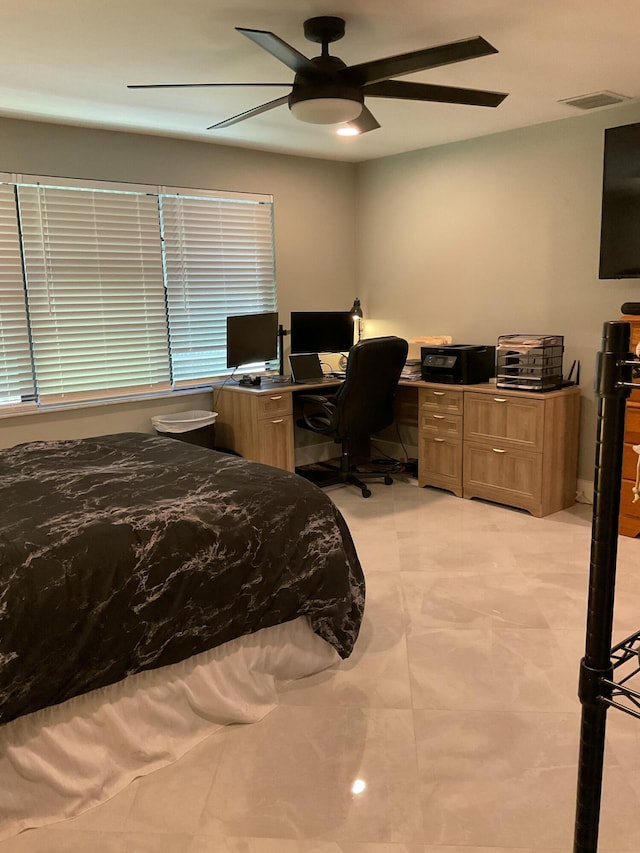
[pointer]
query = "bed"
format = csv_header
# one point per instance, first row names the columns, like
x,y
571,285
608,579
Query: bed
x,y
131,565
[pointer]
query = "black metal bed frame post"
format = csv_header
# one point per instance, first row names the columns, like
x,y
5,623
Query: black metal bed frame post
x,y
612,380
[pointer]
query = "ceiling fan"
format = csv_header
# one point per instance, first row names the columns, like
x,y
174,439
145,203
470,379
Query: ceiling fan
x,y
327,91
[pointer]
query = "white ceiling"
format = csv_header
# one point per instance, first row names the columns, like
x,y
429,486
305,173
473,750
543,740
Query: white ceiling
x,y
70,61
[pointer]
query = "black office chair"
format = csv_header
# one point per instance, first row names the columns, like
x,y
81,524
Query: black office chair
x,y
361,407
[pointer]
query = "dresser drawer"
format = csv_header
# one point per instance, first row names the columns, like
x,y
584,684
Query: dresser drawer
x,y
442,399
629,511
274,405
629,462
632,424
510,420
634,322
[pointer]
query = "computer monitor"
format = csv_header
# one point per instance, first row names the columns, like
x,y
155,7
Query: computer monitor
x,y
321,331
252,338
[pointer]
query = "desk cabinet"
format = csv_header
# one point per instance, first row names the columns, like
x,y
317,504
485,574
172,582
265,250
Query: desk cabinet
x,y
256,424
629,520
515,448
503,449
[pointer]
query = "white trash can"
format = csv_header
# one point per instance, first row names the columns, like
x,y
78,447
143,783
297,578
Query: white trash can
x,y
194,427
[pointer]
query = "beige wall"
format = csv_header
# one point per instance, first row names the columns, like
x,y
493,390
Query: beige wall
x,y
494,236
314,231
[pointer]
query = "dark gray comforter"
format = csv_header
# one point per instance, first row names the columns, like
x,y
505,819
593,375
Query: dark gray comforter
x,y
129,552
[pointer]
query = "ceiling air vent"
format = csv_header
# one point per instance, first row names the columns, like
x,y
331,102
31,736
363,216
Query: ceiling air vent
x,y
595,100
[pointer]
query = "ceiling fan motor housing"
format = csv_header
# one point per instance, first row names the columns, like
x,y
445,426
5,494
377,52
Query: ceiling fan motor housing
x,y
325,98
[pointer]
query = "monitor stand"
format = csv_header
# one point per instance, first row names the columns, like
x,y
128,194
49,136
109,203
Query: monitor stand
x,y
281,336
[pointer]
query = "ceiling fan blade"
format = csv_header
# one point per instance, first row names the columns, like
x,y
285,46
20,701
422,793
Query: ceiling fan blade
x,y
365,122
195,85
419,60
427,92
274,45
270,105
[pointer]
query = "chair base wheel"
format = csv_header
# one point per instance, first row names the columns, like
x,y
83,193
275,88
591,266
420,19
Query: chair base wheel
x,y
387,480
366,493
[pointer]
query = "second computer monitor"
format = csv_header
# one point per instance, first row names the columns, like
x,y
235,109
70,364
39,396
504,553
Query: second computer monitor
x,y
321,331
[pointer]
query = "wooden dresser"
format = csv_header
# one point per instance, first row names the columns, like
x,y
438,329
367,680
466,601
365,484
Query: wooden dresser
x,y
518,448
629,511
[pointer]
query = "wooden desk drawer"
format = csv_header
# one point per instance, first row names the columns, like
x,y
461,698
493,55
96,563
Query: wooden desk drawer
x,y
274,405
440,463
436,423
509,476
441,399
516,421
275,442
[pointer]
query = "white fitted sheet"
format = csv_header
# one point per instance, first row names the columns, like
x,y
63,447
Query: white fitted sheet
x,y
60,761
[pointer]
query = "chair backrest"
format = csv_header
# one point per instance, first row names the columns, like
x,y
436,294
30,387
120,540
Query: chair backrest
x,y
364,401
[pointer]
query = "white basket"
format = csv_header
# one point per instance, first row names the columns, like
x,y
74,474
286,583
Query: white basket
x,y
183,421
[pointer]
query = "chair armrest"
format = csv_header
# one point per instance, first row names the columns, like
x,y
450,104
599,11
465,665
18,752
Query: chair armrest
x,y
317,412
312,398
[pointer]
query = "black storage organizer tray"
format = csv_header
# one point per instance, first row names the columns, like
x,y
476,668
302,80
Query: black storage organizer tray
x,y
529,362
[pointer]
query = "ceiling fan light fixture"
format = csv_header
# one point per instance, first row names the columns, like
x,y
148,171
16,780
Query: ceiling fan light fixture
x,y
347,130
326,110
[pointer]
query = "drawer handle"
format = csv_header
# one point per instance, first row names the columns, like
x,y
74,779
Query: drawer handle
x,y
278,421
438,439
500,399
497,450
440,417
438,393
279,397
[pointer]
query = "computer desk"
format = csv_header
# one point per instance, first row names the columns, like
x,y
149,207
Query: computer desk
x,y
513,447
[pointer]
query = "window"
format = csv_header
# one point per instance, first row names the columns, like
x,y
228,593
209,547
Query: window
x,y
112,291
93,267
218,262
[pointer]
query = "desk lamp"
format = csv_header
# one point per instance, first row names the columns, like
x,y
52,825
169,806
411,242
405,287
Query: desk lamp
x,y
357,315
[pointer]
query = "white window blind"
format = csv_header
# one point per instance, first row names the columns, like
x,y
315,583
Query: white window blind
x,y
16,377
94,277
218,261
109,291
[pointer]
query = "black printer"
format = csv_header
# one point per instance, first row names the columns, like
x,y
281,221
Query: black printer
x,y
458,364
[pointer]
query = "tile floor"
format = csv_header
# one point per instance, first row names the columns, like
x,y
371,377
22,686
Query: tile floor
x,y
453,728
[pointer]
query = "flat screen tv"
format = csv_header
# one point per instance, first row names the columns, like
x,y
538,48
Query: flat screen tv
x,y
252,338
620,224
321,331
